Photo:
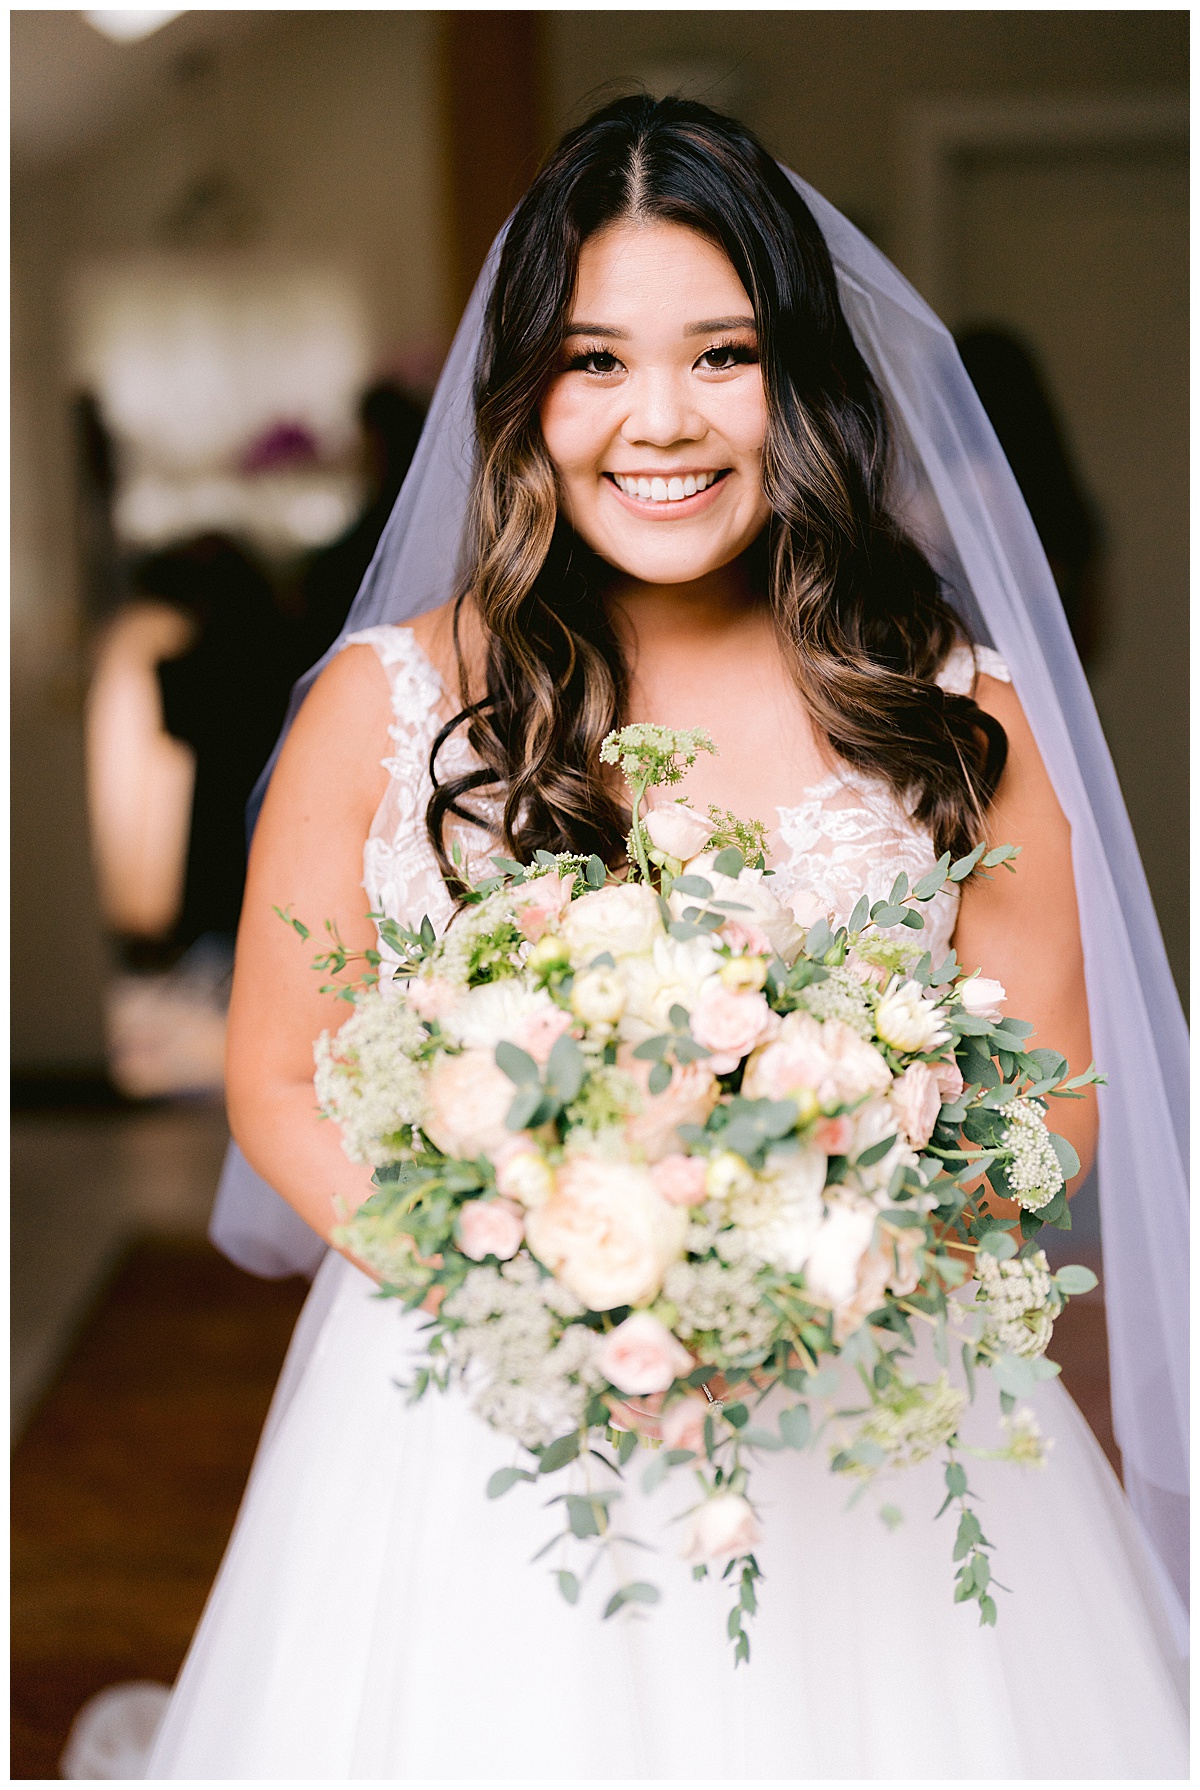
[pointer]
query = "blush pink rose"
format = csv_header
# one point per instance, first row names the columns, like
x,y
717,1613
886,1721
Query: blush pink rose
x,y
745,938
678,830
469,1100
540,1031
687,1099
431,997
490,1227
642,1356
730,1024
542,903
723,1525
917,1101
683,1424
680,1179
835,1136
949,1080
982,996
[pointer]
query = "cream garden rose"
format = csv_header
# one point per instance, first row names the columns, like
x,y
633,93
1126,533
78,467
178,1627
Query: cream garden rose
x,y
605,1232
622,919
982,996
730,1022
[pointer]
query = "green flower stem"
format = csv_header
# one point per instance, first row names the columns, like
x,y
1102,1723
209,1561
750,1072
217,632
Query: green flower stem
x,y
636,833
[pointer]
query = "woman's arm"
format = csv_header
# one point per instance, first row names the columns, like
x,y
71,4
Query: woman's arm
x,y
1023,929
306,857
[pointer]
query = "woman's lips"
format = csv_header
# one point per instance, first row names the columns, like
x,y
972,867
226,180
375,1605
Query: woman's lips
x,y
665,507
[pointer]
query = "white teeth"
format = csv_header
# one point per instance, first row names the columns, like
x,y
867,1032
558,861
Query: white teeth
x,y
664,490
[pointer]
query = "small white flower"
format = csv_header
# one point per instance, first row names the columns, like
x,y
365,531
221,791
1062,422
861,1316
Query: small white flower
x,y
485,1016
1019,1302
1034,1174
909,1022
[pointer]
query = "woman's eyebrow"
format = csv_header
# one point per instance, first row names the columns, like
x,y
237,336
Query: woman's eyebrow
x,y
579,327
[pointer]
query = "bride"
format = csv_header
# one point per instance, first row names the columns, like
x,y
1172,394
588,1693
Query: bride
x,y
687,486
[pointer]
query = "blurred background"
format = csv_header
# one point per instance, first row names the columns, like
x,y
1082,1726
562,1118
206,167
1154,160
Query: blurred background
x,y
240,244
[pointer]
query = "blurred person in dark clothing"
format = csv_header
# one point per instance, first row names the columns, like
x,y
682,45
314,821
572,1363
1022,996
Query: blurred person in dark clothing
x,y
391,422
225,697
1013,390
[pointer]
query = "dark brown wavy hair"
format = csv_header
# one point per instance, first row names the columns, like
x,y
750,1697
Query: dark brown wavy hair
x,y
858,607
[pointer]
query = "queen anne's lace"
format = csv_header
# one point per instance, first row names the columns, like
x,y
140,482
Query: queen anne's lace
x,y
1018,1301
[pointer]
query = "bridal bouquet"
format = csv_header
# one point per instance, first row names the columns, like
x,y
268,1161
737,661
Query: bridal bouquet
x,y
651,1155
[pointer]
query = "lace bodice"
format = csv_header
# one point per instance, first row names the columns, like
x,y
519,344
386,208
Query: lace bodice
x,y
849,834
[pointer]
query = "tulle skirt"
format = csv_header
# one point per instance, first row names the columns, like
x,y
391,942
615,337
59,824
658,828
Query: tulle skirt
x,y
377,1617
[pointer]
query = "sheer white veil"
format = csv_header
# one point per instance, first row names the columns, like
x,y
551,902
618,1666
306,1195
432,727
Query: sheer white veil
x,y
964,504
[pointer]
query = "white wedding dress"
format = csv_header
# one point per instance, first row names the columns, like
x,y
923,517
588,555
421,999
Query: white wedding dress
x,y
377,1617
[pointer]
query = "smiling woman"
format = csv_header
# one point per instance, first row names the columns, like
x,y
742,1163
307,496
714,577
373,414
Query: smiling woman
x,y
655,415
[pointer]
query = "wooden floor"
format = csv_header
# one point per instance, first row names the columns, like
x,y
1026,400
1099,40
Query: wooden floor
x,y
127,1481
128,1478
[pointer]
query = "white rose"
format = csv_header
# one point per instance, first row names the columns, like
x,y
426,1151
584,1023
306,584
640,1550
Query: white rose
x,y
469,1100
781,1210
871,1124
842,1239
981,996
756,904
622,919
678,830
606,1234
722,1525
907,1021
598,997
674,973
642,1356
497,1010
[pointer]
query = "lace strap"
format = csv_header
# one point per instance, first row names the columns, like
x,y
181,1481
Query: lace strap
x,y
416,689
965,662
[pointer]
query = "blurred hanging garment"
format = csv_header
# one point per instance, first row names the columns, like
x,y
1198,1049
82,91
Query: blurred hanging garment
x,y
224,697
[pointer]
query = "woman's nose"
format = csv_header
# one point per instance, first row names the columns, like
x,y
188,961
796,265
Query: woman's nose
x,y
660,412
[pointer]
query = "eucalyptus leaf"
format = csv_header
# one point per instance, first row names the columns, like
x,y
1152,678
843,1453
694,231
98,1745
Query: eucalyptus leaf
x,y
1068,1161
729,862
568,1584
931,882
565,1069
525,1104
795,1426
640,1593
1014,1375
505,1478
659,1079
1075,1279
557,1454
692,885
595,872
861,914
518,1065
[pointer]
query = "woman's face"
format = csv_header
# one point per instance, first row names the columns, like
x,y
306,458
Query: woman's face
x,y
656,418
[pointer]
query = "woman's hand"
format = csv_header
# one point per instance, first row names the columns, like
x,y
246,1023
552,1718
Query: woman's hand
x,y
1023,928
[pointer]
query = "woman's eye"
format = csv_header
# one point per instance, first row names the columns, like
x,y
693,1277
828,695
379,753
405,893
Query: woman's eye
x,y
722,357
594,360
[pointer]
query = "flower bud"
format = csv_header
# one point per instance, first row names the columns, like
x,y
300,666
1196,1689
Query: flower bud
x,y
549,953
744,973
728,1174
598,997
